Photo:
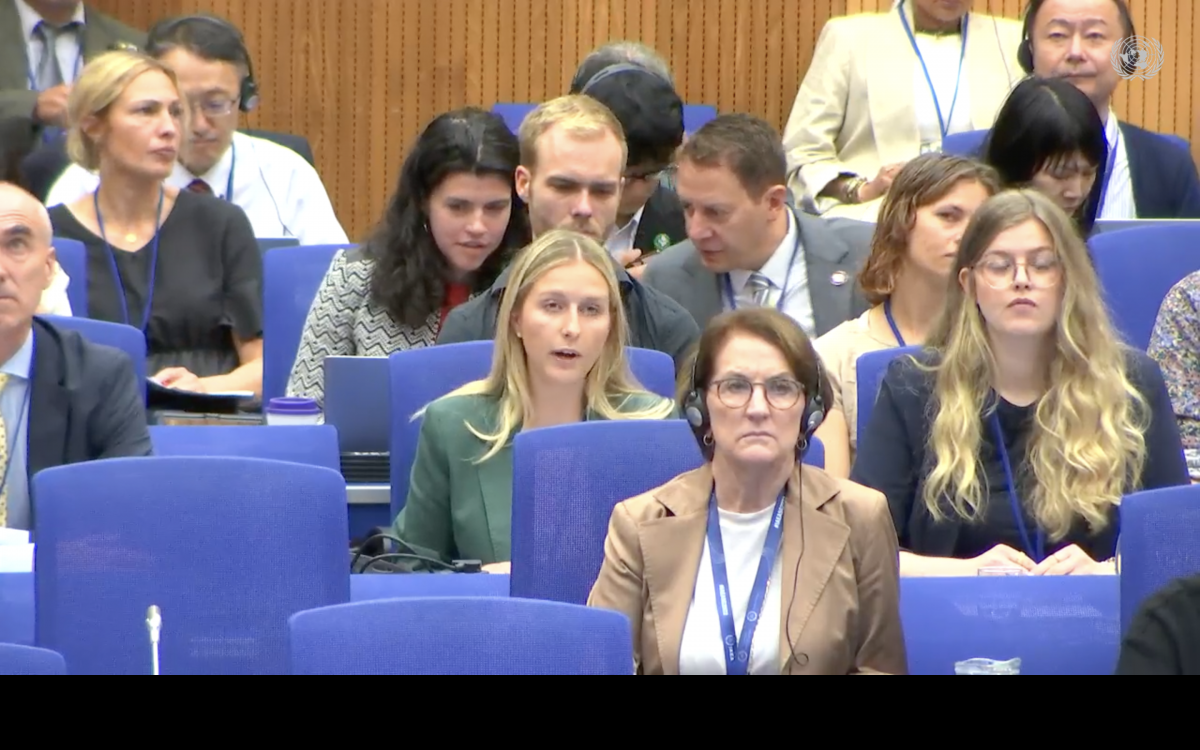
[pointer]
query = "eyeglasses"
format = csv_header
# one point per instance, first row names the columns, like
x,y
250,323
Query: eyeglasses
x,y
999,270
215,106
781,392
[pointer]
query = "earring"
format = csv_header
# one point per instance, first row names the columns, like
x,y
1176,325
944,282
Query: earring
x,y
708,440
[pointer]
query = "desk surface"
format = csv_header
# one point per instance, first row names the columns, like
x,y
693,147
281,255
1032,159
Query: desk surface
x,y
1065,625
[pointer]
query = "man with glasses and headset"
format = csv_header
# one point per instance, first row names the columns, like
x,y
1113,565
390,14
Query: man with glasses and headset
x,y
278,189
43,45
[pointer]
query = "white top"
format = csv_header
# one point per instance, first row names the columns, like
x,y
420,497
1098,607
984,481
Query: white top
x,y
941,55
280,192
797,301
701,651
1118,202
54,299
622,239
68,48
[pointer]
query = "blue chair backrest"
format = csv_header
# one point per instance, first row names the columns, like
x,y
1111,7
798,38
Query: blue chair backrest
x,y
312,445
270,243
460,636
694,115
227,548
27,661
72,256
1056,625
870,368
1137,267
117,335
369,587
291,278
1160,541
815,455
969,144
655,370
566,482
419,376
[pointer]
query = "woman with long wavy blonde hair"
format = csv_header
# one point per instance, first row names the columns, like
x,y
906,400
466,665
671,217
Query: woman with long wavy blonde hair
x,y
1011,440
559,358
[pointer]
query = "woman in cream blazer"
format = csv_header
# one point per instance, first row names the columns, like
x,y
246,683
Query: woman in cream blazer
x,y
865,107
810,563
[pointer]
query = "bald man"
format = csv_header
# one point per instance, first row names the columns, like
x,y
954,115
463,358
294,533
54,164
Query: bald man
x,y
63,400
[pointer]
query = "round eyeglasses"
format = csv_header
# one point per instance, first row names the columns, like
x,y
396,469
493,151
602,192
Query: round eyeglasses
x,y
999,270
781,392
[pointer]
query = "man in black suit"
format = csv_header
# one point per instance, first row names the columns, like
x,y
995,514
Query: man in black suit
x,y
1147,176
644,101
63,400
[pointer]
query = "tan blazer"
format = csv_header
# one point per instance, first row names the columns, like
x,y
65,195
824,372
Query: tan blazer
x,y
855,114
846,615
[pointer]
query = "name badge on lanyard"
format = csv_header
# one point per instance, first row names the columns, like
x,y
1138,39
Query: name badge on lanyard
x,y
1035,548
943,122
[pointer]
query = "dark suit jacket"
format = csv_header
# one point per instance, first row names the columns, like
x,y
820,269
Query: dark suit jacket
x,y
834,251
84,404
662,217
17,138
99,34
1165,183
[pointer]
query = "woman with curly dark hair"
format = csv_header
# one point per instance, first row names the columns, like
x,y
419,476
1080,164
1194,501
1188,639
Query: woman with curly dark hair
x,y
453,224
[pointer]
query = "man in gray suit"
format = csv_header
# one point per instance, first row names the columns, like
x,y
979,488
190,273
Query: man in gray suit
x,y
747,246
34,84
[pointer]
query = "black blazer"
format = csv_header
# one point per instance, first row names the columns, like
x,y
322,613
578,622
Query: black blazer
x,y
662,217
84,403
1165,183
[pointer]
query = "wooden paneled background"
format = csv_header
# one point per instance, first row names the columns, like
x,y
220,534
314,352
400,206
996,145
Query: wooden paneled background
x,y
359,78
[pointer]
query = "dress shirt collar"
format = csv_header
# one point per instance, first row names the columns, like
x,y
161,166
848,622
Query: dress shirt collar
x,y
30,18
217,178
776,267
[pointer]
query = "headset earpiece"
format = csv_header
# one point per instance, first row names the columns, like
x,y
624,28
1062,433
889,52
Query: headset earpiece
x,y
694,408
1025,48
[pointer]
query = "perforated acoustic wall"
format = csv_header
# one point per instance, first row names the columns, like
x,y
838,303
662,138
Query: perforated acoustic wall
x,y
359,78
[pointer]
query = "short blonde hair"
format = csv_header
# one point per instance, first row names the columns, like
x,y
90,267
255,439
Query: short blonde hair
x,y
100,84
580,116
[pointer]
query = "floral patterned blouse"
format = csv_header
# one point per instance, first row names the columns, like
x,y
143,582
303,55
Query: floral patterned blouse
x,y
1175,345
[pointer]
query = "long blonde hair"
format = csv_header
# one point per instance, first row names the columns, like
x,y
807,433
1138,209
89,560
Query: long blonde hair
x,y
609,384
1087,444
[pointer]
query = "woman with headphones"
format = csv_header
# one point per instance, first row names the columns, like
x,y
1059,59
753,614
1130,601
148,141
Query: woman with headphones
x,y
753,563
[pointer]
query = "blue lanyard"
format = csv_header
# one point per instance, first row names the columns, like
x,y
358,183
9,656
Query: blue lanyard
x,y
229,182
12,443
887,313
786,277
943,123
737,650
1109,166
1037,550
116,272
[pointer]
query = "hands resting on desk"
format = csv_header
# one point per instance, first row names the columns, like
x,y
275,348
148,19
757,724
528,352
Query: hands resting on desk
x,y
1068,561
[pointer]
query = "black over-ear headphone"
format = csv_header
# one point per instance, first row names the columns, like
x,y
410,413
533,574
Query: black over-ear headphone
x,y
695,408
1025,50
248,90
579,85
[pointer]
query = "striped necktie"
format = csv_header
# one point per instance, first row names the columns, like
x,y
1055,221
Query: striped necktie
x,y
49,71
3,459
199,186
759,288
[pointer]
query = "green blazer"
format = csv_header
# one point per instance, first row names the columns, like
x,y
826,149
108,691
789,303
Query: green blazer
x,y
100,32
458,509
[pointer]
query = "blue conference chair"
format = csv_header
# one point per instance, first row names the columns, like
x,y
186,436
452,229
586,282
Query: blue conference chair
x,y
1160,541
1056,625
513,113
270,243
312,445
655,370
72,256
460,636
117,335
227,548
870,369
419,376
566,482
291,278
968,144
28,660
1137,267
369,587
